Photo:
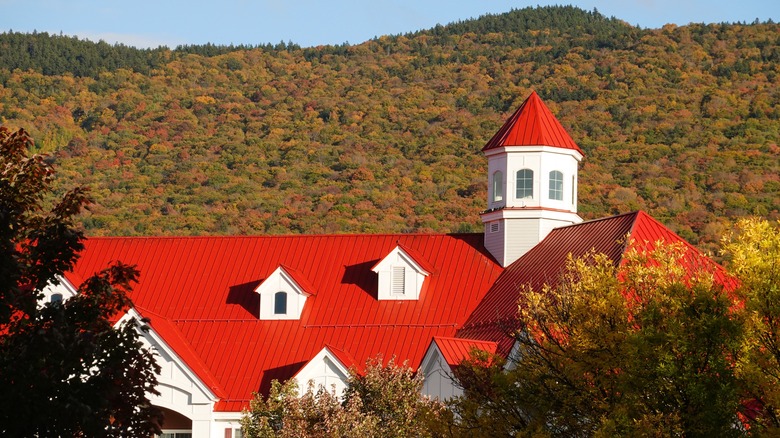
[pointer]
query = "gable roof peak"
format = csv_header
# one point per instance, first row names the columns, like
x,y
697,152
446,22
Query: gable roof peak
x,y
533,124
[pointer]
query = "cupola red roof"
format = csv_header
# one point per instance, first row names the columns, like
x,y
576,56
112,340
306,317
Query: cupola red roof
x,y
533,124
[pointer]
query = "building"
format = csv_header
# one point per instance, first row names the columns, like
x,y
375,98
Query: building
x,y
230,314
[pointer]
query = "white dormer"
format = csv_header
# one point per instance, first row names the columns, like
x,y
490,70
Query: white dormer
x,y
401,276
59,292
328,370
283,294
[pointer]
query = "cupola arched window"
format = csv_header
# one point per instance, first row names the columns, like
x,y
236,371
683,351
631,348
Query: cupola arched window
x,y
280,303
556,185
498,186
525,184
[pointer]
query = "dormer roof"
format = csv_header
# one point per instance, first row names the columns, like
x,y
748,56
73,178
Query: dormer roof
x,y
533,124
293,287
328,369
300,280
345,358
414,258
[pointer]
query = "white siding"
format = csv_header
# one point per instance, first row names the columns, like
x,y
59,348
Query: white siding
x,y
494,242
180,389
437,377
399,277
521,235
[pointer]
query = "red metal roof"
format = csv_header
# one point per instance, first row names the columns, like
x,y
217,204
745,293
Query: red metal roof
x,y
495,317
533,124
204,288
454,350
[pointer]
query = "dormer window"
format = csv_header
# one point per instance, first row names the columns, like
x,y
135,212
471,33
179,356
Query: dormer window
x,y
283,294
402,275
525,184
280,303
556,185
60,292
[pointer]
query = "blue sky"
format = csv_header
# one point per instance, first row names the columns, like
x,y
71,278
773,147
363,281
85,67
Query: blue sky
x,y
146,23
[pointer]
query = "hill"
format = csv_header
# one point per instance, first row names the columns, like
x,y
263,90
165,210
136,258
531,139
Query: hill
x,y
384,136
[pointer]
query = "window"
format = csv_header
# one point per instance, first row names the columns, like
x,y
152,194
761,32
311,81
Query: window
x,y
498,186
176,435
525,184
280,303
56,298
233,433
556,185
573,201
399,280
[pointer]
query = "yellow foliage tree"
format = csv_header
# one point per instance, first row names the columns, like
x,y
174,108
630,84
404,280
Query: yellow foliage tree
x,y
753,252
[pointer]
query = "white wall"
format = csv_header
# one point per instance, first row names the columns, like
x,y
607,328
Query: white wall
x,y
437,376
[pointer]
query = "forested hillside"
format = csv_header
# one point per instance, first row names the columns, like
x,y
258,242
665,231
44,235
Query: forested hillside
x,y
384,136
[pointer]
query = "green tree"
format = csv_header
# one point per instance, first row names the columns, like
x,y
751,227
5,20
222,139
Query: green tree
x,y
384,401
64,369
647,347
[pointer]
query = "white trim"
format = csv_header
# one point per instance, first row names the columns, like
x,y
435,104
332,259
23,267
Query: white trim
x,y
159,343
550,149
180,388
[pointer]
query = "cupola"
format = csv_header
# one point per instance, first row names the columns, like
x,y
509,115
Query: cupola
x,y
532,174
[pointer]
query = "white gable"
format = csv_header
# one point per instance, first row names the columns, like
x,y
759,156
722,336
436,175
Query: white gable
x,y
325,371
277,288
59,292
400,277
180,388
438,380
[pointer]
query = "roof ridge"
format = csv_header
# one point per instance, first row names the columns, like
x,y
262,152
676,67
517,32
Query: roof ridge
x,y
591,221
275,236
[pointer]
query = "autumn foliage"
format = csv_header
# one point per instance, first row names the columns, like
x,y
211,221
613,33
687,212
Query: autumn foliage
x,y
384,136
654,345
382,401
